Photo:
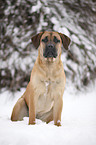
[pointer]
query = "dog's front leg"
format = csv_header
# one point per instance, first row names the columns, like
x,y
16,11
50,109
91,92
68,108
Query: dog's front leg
x,y
57,111
31,110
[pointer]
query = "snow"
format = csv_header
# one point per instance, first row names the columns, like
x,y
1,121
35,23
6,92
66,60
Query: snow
x,y
78,122
75,39
36,7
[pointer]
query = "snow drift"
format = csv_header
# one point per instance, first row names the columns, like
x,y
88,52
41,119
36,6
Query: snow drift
x,y
78,122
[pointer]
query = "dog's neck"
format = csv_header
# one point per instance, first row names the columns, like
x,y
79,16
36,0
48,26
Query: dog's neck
x,y
50,68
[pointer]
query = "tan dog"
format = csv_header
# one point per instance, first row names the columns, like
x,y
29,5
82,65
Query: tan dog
x,y
43,96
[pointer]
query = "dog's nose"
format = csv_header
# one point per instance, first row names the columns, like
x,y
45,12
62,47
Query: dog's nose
x,y
50,46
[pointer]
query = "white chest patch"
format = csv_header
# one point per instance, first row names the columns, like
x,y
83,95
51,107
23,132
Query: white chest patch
x,y
45,101
46,85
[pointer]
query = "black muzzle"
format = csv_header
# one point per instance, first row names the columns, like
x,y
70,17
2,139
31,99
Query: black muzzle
x,y
50,51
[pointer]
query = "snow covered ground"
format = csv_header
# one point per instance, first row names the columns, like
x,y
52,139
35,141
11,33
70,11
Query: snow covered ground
x,y
78,122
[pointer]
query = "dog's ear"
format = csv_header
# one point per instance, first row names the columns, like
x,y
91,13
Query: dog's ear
x,y
36,39
65,40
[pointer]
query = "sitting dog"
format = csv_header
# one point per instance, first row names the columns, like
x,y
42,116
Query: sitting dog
x,y
43,96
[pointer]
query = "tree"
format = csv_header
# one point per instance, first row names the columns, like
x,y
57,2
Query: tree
x,y
22,19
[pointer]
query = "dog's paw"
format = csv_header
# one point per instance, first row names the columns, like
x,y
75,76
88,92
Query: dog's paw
x,y
58,123
32,122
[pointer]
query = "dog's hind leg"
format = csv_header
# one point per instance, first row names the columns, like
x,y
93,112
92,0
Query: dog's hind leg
x,y
47,117
20,110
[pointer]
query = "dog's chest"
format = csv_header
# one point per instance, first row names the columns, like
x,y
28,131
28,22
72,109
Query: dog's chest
x,y
46,99
47,85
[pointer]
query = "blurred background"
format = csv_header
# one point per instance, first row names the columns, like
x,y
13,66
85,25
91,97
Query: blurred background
x,y
21,19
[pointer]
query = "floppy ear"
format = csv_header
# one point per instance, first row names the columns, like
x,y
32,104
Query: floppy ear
x,y
36,39
65,40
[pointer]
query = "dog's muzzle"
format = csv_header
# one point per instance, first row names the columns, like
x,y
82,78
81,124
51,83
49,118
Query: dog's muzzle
x,y
50,51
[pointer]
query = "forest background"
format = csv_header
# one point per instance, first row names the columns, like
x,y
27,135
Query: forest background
x,y
21,19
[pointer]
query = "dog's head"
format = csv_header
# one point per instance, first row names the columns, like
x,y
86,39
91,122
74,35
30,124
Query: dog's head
x,y
50,43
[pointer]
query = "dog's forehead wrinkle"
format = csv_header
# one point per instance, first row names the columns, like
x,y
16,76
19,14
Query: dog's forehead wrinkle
x,y
50,35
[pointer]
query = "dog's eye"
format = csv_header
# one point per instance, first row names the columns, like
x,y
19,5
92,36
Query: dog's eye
x,y
56,40
45,39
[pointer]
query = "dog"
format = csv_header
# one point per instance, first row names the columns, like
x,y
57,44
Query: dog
x,y
43,98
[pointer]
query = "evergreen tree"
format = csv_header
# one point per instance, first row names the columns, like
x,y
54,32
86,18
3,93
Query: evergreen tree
x,y
20,19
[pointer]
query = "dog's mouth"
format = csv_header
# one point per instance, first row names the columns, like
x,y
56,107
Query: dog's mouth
x,y
51,57
50,53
